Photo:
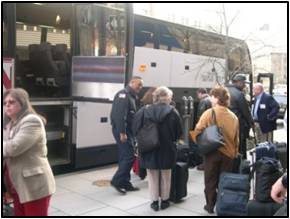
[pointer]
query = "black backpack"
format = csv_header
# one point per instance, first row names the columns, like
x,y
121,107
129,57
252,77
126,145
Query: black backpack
x,y
268,170
148,137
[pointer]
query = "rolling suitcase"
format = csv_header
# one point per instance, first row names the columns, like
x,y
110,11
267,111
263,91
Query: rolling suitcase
x,y
282,152
256,208
233,194
179,178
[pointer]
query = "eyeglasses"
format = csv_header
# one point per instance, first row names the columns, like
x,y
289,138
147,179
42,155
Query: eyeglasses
x,y
11,102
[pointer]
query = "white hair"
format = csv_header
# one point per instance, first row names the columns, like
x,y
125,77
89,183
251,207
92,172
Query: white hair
x,y
162,95
259,85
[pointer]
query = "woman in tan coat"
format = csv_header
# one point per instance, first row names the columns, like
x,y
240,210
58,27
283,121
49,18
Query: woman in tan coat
x,y
27,171
220,160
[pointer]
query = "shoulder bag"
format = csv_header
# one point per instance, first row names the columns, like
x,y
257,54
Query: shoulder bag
x,y
211,138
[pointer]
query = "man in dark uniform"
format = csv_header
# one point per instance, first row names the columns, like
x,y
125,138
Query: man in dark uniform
x,y
240,107
123,110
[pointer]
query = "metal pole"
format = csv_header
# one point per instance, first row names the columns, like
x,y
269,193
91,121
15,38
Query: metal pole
x,y
186,117
11,27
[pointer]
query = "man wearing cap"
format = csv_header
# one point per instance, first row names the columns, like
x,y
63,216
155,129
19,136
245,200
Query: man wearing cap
x,y
240,107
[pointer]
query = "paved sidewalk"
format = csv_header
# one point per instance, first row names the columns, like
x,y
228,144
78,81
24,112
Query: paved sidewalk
x,y
77,195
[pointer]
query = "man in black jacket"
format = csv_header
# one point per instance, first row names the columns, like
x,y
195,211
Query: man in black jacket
x,y
240,107
123,110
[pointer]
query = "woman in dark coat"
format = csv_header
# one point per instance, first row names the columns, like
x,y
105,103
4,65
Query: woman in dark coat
x,y
160,161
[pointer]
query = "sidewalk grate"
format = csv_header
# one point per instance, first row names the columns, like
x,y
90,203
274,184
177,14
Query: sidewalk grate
x,y
102,183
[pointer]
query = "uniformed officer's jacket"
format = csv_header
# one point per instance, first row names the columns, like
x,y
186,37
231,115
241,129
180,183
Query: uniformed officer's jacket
x,y
123,110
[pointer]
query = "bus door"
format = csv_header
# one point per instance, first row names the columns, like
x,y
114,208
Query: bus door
x,y
267,80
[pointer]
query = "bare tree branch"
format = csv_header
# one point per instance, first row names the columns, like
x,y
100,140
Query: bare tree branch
x,y
238,12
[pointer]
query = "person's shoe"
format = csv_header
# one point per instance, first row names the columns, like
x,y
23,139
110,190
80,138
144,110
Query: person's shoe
x,y
208,209
164,204
131,188
155,205
119,189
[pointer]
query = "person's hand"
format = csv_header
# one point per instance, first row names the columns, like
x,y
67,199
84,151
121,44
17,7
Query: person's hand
x,y
123,137
278,191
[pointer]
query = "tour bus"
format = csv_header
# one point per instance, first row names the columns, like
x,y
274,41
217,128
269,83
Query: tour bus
x,y
73,57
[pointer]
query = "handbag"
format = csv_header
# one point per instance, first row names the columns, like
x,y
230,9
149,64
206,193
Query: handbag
x,y
211,138
148,136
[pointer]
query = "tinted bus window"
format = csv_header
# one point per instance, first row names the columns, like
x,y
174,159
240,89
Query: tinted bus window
x,y
101,29
43,41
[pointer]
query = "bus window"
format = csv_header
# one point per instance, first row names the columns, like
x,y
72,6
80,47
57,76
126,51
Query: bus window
x,y
26,35
58,36
85,29
102,29
114,34
42,62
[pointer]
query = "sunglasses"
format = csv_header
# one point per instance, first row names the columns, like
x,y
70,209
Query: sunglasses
x,y
11,102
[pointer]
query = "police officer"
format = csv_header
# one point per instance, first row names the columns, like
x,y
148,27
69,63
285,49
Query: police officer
x,y
123,110
240,107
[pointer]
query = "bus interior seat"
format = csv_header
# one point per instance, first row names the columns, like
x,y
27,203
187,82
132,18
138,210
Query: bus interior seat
x,y
22,72
36,67
61,54
49,65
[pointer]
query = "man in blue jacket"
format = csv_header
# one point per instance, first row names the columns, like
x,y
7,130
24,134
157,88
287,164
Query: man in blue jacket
x,y
264,111
123,110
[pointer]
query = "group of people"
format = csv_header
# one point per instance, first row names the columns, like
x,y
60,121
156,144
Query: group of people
x,y
233,116
28,175
126,120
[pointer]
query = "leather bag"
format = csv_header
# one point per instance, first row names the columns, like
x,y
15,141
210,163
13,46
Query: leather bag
x,y
211,138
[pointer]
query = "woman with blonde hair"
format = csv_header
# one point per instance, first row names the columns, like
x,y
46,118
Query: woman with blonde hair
x,y
27,171
220,160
